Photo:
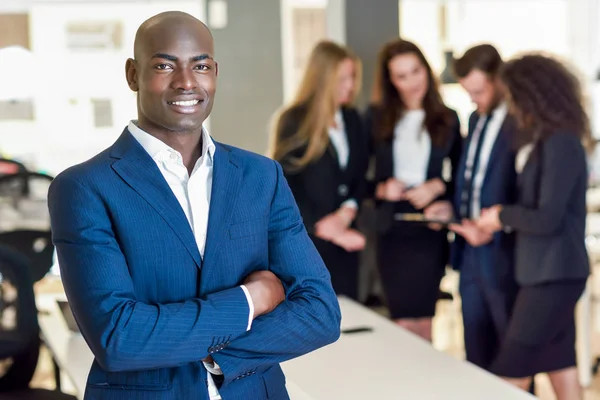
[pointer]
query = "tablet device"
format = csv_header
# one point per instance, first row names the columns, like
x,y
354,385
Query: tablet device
x,y
420,218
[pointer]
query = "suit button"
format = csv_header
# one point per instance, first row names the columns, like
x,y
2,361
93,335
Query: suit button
x,y
342,190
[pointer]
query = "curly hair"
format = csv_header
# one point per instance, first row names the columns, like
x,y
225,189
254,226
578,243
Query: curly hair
x,y
545,97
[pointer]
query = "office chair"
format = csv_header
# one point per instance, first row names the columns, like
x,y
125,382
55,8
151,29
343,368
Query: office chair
x,y
25,184
9,166
35,245
19,330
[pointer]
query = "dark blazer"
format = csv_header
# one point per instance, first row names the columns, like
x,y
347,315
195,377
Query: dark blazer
x,y
384,165
498,187
151,308
550,216
322,186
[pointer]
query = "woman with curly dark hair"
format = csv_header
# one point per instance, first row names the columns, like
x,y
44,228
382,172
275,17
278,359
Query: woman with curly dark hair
x,y
551,263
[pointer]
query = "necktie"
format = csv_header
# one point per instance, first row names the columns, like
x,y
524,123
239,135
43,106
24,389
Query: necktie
x,y
471,169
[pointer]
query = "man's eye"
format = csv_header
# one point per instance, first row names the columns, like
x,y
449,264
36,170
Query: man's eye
x,y
163,66
203,67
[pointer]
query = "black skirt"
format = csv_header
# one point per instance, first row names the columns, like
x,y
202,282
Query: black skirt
x,y
412,259
541,330
342,266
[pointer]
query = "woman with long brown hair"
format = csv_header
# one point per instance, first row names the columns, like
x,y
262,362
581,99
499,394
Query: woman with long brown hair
x,y
413,134
321,145
551,264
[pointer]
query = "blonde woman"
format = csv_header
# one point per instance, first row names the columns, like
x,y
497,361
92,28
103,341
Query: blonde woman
x,y
320,143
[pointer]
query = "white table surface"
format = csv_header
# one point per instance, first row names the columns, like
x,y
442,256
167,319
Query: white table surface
x,y
388,363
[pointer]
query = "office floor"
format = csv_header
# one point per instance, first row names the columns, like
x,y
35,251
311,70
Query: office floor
x,y
447,338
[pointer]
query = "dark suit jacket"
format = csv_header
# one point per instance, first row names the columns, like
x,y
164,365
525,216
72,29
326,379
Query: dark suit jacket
x,y
322,186
498,187
151,308
384,165
550,216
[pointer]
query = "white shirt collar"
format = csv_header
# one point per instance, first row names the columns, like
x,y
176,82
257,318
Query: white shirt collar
x,y
338,119
155,147
500,110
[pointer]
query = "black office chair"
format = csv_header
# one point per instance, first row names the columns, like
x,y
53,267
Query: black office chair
x,y
25,184
36,246
9,166
19,331
24,209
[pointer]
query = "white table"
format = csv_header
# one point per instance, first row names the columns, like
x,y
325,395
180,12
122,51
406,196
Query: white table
x,y
390,363
387,363
70,351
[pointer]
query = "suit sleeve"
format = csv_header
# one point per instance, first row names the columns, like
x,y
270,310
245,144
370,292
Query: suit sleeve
x,y
123,333
563,160
308,319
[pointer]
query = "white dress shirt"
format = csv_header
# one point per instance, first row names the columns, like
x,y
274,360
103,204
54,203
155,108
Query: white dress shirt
x,y
411,148
339,140
193,194
497,119
337,135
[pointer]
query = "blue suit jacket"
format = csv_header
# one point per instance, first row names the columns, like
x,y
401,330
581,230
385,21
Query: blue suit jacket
x,y
151,309
499,187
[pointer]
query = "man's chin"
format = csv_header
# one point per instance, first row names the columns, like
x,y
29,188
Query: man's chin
x,y
184,129
186,125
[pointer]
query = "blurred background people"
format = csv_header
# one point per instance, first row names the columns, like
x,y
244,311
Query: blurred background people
x,y
412,132
486,176
549,220
319,141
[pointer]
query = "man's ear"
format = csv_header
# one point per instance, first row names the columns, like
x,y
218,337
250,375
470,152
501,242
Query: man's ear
x,y
216,68
131,74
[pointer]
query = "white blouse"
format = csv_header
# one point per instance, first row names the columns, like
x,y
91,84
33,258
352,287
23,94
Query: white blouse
x,y
339,139
411,148
522,157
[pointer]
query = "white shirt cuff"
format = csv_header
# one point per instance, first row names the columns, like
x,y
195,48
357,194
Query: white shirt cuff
x,y
250,305
351,203
213,368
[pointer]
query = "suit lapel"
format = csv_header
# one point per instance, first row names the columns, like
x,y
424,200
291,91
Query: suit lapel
x,y
137,168
460,175
462,166
353,135
500,146
227,179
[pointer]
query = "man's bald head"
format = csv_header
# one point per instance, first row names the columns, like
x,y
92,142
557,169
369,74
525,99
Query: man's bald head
x,y
174,73
168,21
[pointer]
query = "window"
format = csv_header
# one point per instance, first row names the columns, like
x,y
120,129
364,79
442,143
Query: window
x,y
102,112
94,35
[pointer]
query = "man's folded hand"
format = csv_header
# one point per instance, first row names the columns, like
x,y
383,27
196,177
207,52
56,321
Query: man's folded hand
x,y
265,290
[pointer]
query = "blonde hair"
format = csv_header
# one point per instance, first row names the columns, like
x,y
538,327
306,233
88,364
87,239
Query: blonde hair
x,y
316,96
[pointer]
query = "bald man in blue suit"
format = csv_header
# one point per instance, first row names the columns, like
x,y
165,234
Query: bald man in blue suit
x,y
185,261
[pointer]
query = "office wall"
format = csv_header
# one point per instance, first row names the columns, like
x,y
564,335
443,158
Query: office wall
x,y
367,28
64,130
250,85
